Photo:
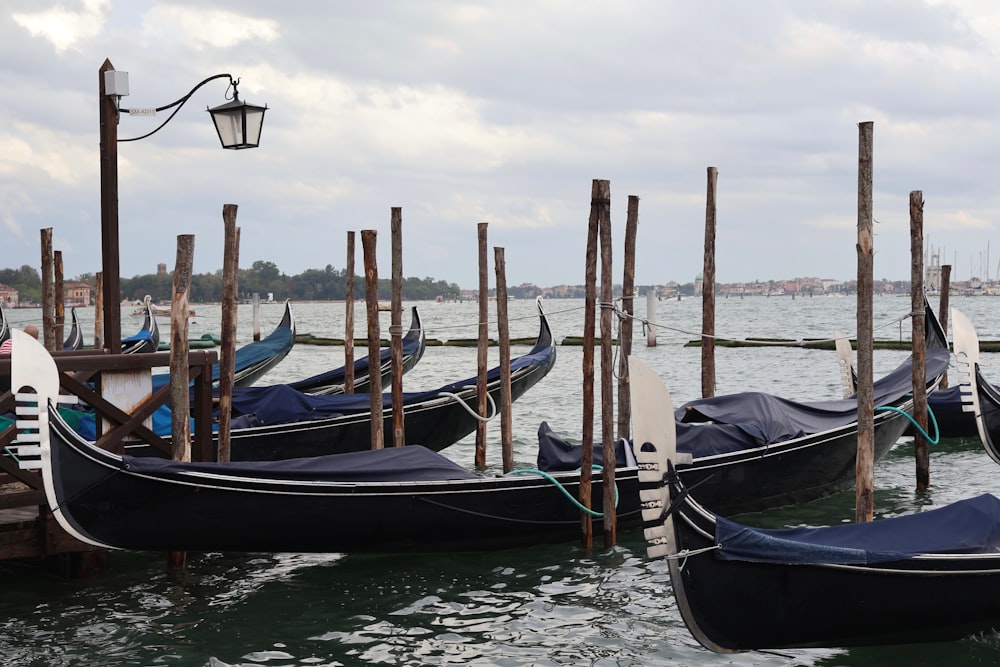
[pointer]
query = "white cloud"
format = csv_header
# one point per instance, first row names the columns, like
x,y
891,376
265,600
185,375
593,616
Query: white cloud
x,y
66,28
205,28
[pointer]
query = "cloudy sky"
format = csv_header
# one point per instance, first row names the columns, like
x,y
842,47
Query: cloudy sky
x,y
503,112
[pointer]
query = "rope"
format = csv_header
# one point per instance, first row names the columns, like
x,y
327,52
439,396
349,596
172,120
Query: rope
x,y
937,432
646,324
461,401
562,489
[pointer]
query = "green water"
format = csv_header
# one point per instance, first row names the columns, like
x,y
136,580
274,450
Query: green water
x,y
550,605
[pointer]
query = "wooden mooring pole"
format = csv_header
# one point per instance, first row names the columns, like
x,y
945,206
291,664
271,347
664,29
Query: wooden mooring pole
x,y
368,243
918,338
651,317
99,311
180,405
482,345
607,379
600,192
180,402
48,290
628,307
349,320
943,308
503,335
708,292
864,507
227,353
256,316
59,297
396,327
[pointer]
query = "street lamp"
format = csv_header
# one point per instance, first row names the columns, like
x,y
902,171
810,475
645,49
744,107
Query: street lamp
x,y
238,125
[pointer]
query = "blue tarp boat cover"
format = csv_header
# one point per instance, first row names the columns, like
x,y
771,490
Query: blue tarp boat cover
x,y
758,418
392,464
279,341
969,526
556,454
143,334
336,376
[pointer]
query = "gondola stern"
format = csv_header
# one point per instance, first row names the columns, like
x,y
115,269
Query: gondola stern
x,y
32,367
970,378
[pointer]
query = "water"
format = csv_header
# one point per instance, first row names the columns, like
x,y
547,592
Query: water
x,y
550,605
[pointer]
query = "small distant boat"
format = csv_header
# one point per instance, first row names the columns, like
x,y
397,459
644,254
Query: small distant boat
x,y
930,576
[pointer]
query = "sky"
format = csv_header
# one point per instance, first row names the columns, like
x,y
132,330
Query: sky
x,y
504,112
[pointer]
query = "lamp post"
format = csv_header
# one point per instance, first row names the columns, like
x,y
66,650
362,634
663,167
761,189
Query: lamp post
x,y
238,125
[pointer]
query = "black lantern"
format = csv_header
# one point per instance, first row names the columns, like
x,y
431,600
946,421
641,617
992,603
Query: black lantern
x,y
238,123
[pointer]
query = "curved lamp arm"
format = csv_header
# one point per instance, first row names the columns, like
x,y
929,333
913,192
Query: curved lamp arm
x,y
180,103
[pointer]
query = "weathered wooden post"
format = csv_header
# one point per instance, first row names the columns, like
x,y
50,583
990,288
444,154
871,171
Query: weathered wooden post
x,y
368,241
60,298
482,346
506,428
48,298
396,327
651,317
349,321
180,406
99,311
918,338
865,473
256,316
600,192
227,353
708,292
607,378
628,306
943,308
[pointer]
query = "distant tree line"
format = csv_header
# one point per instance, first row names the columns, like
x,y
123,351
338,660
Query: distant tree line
x,y
262,277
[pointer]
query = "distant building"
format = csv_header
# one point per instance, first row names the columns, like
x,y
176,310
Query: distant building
x,y
8,296
77,294
161,269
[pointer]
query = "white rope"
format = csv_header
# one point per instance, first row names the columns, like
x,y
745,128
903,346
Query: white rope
x,y
460,401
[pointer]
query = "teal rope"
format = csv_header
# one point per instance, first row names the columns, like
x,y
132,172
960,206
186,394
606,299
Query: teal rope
x,y
562,489
937,437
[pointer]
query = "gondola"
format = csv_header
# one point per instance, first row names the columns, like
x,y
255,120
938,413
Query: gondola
x,y
979,398
4,327
253,360
74,339
147,339
944,404
332,382
754,451
397,499
277,422
930,576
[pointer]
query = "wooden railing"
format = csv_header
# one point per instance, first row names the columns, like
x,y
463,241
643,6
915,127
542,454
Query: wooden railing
x,y
81,373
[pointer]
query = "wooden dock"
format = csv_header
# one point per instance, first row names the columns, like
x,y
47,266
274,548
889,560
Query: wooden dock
x,y
28,530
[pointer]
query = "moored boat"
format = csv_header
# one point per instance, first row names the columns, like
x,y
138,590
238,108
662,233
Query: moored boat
x,y
930,576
